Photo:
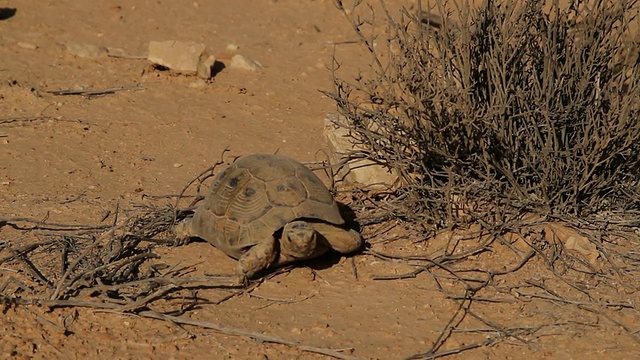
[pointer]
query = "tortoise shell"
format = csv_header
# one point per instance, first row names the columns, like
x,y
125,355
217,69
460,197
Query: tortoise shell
x,y
255,197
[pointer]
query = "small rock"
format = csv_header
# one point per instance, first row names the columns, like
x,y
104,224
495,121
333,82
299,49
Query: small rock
x,y
117,52
205,66
26,45
357,173
177,165
176,55
88,51
241,62
232,47
573,241
584,247
198,84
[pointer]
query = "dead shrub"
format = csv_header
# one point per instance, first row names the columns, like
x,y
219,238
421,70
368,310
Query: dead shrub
x,y
496,111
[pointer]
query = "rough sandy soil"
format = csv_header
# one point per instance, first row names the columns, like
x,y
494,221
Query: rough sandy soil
x,y
72,158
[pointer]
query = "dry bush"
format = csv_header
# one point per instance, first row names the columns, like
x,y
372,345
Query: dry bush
x,y
513,128
512,108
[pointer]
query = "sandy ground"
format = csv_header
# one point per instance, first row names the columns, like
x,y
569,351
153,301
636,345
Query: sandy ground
x,y
72,158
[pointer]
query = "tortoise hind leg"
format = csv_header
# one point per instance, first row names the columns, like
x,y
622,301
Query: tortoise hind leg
x,y
342,240
256,258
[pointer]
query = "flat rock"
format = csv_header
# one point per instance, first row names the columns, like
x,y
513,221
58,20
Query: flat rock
x,y
26,45
87,51
242,62
176,55
354,173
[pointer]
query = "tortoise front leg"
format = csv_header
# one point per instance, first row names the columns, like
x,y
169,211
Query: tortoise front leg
x,y
183,232
256,258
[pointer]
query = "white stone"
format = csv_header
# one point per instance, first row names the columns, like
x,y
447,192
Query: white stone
x,y
355,173
205,66
26,45
241,62
198,84
176,55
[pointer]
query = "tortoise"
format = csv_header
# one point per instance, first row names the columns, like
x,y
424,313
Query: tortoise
x,y
268,210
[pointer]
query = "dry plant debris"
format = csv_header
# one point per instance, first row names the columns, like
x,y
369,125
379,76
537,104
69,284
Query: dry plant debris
x,y
514,136
111,268
513,127
508,108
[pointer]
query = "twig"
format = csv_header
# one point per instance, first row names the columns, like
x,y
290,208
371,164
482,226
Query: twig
x,y
575,302
112,90
43,225
354,267
194,282
26,118
31,269
506,332
272,301
75,198
76,262
456,318
144,301
58,303
132,57
26,249
428,356
46,321
278,300
439,261
482,299
169,196
247,333
200,178
346,42
116,264
618,323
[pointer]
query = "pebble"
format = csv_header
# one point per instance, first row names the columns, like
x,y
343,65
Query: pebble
x,y
232,47
177,165
198,84
88,51
241,62
26,45
362,173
